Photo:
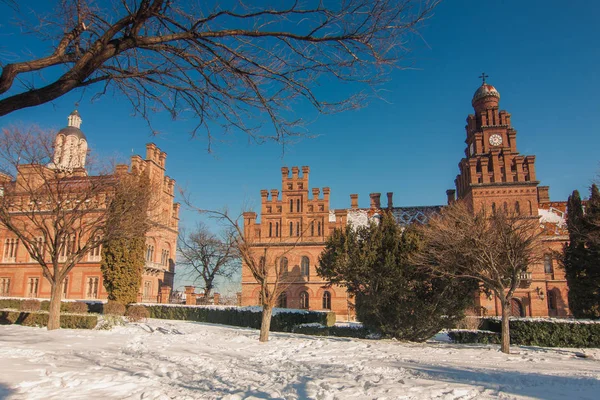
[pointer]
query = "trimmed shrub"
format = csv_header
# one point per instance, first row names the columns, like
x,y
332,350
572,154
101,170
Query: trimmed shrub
x,y
67,321
77,307
114,308
15,304
136,313
30,305
339,331
474,336
283,320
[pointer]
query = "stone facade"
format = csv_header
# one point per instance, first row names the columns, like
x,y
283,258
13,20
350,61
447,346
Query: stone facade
x,y
22,277
493,176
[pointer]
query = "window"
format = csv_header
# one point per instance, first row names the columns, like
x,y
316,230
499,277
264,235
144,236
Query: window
x,y
291,205
297,228
10,249
66,247
164,258
326,300
282,303
65,287
39,243
32,287
298,205
312,228
276,229
149,253
548,266
517,208
304,300
147,289
319,228
284,265
96,252
4,286
291,229
552,300
494,208
304,266
92,287
270,229
263,263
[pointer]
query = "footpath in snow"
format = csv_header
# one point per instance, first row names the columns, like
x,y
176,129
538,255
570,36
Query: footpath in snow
x,y
186,360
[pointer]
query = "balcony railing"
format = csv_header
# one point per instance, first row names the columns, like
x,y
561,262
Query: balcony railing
x,y
525,278
155,267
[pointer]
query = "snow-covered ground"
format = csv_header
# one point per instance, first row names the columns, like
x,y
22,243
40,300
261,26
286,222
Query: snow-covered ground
x,y
186,360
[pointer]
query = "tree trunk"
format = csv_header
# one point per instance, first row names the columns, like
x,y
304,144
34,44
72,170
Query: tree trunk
x,y
54,310
265,325
505,346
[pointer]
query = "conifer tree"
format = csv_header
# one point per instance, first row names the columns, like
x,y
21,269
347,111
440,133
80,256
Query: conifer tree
x,y
123,255
393,297
575,256
592,230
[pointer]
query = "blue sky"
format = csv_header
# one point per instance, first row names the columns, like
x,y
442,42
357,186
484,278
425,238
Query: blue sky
x,y
542,56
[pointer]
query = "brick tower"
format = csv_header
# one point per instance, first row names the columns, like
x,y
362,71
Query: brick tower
x,y
493,175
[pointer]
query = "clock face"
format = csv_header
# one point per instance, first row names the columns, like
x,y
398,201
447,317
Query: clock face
x,y
495,140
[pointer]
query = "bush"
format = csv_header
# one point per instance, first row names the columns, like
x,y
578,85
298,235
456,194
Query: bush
x,y
339,331
136,313
41,319
77,307
283,320
15,304
474,336
114,308
30,305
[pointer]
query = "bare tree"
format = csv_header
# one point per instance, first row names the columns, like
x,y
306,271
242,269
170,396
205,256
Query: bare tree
x,y
208,255
58,216
214,62
495,250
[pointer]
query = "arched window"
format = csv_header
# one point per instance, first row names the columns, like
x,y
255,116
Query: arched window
x,y
552,300
548,265
493,208
291,229
283,265
312,228
530,208
505,207
517,208
304,300
291,205
304,266
298,205
276,229
319,228
326,300
282,303
297,228
270,229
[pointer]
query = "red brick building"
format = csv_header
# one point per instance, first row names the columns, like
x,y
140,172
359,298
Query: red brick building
x,y
493,175
21,276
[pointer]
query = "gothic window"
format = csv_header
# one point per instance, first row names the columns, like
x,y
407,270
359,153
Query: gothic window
x,y
298,205
96,252
91,290
319,228
304,300
10,249
66,247
149,253
164,257
283,264
4,286
32,287
291,229
270,229
65,287
291,205
517,208
297,228
304,266
548,265
326,300
276,229
552,300
282,303
312,228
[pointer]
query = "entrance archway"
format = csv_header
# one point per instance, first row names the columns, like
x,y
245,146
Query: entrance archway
x,y
516,308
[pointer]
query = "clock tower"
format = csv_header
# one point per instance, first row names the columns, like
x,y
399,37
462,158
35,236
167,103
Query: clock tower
x,y
493,175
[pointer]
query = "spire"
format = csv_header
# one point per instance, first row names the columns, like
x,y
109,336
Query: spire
x,y
74,118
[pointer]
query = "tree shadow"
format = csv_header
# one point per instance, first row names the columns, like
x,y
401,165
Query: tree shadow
x,y
5,391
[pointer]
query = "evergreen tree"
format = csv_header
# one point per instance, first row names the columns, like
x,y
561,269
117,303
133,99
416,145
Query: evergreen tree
x,y
123,255
592,237
392,296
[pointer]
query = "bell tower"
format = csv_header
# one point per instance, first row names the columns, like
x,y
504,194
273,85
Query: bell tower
x,y
493,174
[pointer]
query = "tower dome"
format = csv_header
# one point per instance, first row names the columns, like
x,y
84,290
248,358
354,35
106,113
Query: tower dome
x,y
485,97
70,146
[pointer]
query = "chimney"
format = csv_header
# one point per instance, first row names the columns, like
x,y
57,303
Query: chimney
x,y
295,171
315,192
285,172
354,201
450,194
305,172
326,195
264,194
389,198
543,194
274,195
375,200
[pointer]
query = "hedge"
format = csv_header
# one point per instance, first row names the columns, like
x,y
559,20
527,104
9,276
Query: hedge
x,y
67,321
543,332
65,306
283,320
336,330
472,336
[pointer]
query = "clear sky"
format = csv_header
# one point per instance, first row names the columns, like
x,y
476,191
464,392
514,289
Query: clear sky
x,y
541,55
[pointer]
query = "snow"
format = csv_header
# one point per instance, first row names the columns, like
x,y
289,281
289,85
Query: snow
x,y
552,216
187,360
358,218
